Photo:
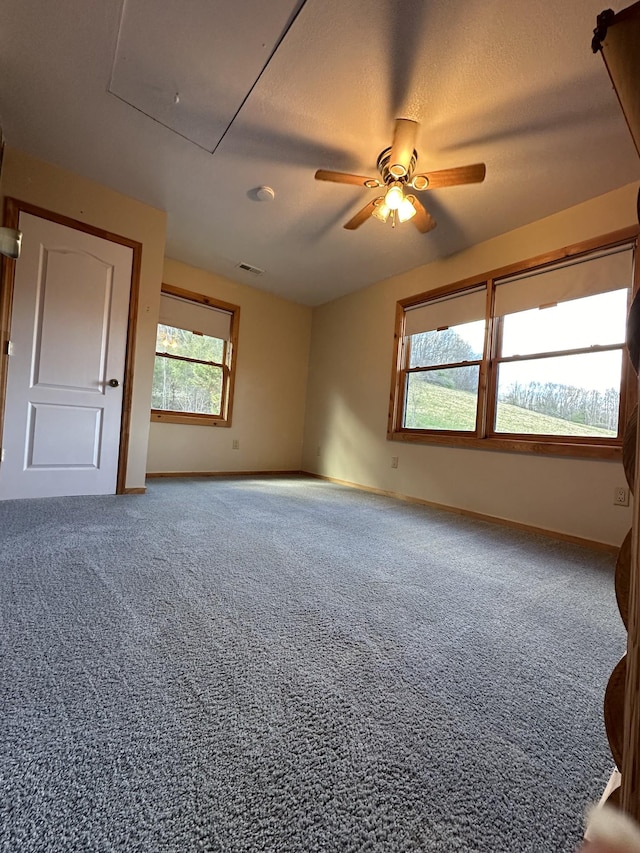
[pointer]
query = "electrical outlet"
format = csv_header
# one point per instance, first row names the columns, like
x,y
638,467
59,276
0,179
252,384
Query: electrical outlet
x,y
235,444
394,461
621,496
318,451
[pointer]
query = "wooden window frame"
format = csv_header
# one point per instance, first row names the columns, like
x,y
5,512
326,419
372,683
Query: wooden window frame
x,y
228,365
484,436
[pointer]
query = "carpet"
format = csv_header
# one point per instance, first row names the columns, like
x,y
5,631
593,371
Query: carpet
x,y
284,664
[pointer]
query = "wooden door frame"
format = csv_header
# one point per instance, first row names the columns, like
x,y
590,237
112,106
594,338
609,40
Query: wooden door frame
x,y
12,209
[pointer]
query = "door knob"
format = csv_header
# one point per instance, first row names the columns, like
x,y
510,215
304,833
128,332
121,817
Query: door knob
x,y
114,383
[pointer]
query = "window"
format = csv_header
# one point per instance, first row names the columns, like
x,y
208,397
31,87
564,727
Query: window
x,y
528,358
195,356
444,352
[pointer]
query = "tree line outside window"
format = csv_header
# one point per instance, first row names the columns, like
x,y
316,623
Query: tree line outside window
x,y
188,372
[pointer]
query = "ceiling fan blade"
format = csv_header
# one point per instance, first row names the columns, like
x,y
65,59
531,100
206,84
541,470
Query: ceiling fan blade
x,y
346,178
361,216
404,140
472,174
423,220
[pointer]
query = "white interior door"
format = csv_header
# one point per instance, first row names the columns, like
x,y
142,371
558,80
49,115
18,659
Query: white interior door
x,y
68,342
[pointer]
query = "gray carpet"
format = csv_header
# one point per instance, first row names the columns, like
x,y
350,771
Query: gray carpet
x,y
289,665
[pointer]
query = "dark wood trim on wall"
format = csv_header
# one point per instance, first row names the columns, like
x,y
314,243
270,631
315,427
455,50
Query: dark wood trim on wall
x,y
12,210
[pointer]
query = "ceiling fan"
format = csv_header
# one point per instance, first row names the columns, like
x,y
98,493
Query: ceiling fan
x,y
397,175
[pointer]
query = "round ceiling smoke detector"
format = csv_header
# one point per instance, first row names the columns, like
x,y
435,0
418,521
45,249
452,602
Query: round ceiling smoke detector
x,y
265,194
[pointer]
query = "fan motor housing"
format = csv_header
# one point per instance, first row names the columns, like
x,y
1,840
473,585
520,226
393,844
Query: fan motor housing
x,y
384,167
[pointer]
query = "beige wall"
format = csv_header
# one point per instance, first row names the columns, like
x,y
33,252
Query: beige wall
x,y
269,400
348,395
60,191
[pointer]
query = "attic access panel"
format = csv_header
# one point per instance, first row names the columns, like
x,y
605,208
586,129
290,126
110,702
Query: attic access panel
x,y
189,64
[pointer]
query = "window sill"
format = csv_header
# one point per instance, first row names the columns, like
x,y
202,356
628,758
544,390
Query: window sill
x,y
158,416
514,445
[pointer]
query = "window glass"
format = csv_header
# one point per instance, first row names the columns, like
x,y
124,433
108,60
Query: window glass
x,y
447,346
182,342
184,386
573,395
444,399
593,320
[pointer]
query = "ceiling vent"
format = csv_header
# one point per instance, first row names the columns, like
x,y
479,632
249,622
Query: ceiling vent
x,y
249,268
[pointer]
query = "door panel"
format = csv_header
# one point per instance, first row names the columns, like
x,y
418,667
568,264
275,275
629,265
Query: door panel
x,y
68,333
66,326
63,437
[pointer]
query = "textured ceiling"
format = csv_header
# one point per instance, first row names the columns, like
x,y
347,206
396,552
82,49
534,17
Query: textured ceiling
x,y
308,85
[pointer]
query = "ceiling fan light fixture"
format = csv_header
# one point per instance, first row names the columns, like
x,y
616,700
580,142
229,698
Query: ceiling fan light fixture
x,y
396,165
381,211
395,196
406,210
